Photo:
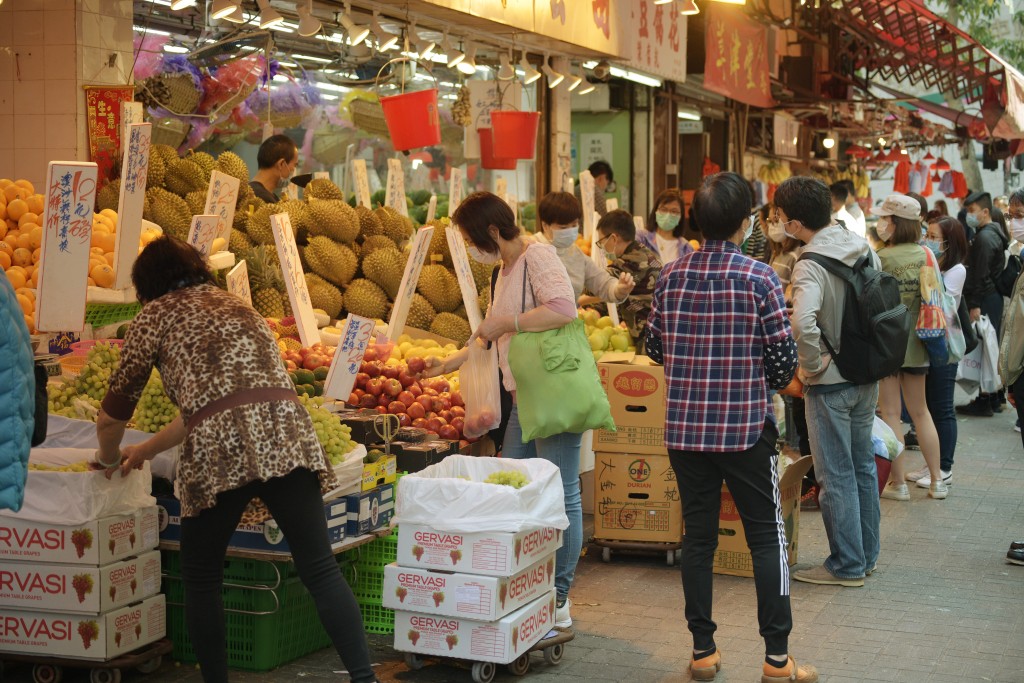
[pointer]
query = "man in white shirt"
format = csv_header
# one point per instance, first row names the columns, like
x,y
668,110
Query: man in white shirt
x,y
839,213
853,208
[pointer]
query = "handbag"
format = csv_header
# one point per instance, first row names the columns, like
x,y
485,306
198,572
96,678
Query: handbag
x,y
558,389
931,320
963,316
42,405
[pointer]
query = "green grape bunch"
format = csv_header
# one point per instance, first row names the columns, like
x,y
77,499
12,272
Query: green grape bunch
x,y
154,410
335,437
513,478
100,364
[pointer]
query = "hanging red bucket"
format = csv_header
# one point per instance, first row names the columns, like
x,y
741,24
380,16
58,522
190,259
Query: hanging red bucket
x,y
515,134
487,158
412,117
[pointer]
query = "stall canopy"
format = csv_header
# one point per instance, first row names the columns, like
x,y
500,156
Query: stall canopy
x,y
902,41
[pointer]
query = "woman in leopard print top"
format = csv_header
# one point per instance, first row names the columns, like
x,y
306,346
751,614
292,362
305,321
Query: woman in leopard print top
x,y
245,436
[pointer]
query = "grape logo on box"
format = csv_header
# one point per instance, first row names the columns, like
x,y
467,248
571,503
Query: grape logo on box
x,y
639,470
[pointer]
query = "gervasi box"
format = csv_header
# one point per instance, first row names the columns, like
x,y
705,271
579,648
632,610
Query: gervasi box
x,y
636,393
636,498
79,588
98,542
80,636
484,598
499,641
485,553
733,554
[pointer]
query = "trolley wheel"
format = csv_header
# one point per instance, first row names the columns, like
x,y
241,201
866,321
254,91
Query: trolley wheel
x,y
105,676
670,557
151,665
414,662
483,672
520,666
606,554
47,673
553,654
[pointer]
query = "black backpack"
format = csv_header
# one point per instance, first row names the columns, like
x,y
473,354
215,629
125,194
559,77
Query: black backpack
x,y
876,324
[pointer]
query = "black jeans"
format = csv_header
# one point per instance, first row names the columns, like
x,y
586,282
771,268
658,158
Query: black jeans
x,y
939,387
295,502
752,481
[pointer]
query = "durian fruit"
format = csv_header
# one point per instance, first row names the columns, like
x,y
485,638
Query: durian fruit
x,y
196,202
239,242
452,327
322,188
396,226
156,170
184,176
258,227
371,244
204,161
333,218
298,214
108,196
369,224
439,244
324,295
483,300
232,164
440,287
331,260
169,211
421,313
385,268
166,152
481,273
267,303
245,195
364,298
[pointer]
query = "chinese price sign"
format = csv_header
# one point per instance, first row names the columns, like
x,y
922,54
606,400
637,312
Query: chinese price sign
x,y
348,357
362,182
238,282
736,57
67,231
659,40
221,197
103,121
395,195
454,190
202,233
587,199
134,171
460,258
294,279
410,278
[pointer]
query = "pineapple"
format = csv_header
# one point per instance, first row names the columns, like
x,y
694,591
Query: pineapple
x,y
267,303
266,282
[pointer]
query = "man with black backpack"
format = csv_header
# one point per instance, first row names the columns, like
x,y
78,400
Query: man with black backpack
x,y
851,330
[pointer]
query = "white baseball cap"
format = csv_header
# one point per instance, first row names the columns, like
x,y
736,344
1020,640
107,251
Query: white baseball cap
x,y
899,205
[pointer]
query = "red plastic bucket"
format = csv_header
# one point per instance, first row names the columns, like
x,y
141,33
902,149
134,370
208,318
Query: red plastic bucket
x,y
515,134
412,119
487,158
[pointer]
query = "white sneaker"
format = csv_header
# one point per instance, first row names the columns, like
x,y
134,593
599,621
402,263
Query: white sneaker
x,y
562,618
894,491
938,491
926,481
916,475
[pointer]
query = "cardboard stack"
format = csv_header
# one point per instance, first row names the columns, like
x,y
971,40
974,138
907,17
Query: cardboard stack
x,y
88,591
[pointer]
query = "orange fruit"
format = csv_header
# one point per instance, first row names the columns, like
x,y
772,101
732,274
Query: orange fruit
x,y
3,229
34,280
25,185
30,322
35,204
103,240
12,241
27,307
109,256
25,241
7,249
28,217
11,225
22,257
103,275
5,260
17,278
16,208
89,281
36,255
96,250
4,182
12,192
35,236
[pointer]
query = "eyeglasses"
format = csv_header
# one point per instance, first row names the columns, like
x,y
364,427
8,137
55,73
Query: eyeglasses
x,y
602,241
1016,216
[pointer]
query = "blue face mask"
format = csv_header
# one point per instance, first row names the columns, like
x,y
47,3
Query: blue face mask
x,y
972,221
934,245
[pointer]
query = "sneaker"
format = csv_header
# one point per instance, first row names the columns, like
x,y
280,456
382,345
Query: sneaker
x,y
822,576
977,408
871,571
894,491
1016,427
917,475
809,501
926,481
788,674
706,668
910,440
562,618
1015,556
938,490
1017,545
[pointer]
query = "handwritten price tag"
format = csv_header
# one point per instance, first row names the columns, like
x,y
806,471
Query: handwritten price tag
x,y
611,203
432,208
134,170
221,198
321,175
362,182
355,337
395,197
294,279
131,112
587,199
64,260
501,187
238,282
454,191
460,257
410,278
202,233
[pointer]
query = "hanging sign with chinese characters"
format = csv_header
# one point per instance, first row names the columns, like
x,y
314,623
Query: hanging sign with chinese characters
x,y
134,171
294,279
64,260
736,56
657,43
411,276
103,123
238,282
355,337
394,197
455,190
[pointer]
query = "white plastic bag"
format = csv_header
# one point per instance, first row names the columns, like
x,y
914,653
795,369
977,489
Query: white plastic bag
x,y
439,496
349,471
69,498
990,382
887,444
478,381
968,371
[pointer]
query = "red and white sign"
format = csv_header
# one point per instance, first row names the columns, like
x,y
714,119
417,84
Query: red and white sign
x,y
202,233
221,198
657,41
736,56
460,259
348,356
134,172
485,553
294,279
238,282
410,278
98,542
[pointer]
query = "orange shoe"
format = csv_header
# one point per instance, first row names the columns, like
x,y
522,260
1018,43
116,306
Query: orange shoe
x,y
705,668
788,674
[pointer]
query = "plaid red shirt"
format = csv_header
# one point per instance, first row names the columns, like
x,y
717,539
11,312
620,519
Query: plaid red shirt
x,y
719,324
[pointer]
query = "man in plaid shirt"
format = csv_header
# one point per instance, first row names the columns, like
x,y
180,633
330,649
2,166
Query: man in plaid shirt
x,y
718,324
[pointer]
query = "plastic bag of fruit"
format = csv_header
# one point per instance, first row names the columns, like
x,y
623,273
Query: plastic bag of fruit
x,y
478,381
455,495
61,489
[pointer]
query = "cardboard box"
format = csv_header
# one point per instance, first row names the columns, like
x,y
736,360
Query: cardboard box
x,y
499,641
468,596
265,537
485,553
733,554
587,491
79,636
370,510
636,392
414,457
636,498
97,543
78,588
384,471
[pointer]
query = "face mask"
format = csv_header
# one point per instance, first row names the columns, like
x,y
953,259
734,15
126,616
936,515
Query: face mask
x,y
884,229
484,257
1017,229
934,245
749,231
787,233
667,222
972,221
777,231
565,237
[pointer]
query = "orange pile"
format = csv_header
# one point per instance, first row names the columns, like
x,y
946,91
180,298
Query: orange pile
x,y
21,236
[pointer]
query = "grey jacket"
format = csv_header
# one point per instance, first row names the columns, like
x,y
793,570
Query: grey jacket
x,y
584,274
818,300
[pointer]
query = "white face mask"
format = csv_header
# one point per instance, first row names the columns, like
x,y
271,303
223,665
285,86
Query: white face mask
x,y
564,237
1017,229
884,228
484,257
749,231
777,231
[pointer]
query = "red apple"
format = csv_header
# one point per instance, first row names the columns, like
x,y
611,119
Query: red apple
x,y
371,369
407,398
361,379
446,415
368,401
314,361
459,423
448,432
392,387
457,399
371,354
382,410
429,391
404,420
353,399
417,366
426,401
305,351
406,379
291,365
441,385
375,387
435,423
415,389
384,400
436,404
458,411
396,408
416,411
419,423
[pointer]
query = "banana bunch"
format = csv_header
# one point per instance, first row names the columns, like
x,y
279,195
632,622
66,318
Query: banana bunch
x,y
773,173
862,184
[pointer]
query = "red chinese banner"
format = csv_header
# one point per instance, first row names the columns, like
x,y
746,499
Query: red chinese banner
x,y
736,56
103,118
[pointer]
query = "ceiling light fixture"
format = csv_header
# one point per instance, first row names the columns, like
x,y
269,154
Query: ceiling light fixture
x,y
587,88
688,115
453,55
468,65
269,17
176,49
530,75
222,8
734,2
385,40
662,2
505,70
180,4
237,16
575,80
308,24
830,140
554,78
689,8
423,46
356,34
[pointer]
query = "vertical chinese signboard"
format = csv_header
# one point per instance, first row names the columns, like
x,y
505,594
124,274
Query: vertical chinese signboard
x,y
134,172
103,120
658,40
736,56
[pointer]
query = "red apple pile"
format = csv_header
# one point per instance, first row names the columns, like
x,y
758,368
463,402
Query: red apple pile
x,y
316,356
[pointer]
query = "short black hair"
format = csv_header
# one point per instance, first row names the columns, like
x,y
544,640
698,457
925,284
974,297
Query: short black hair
x,y
481,211
668,196
721,204
601,168
1017,196
167,264
851,189
839,191
807,200
983,200
618,222
921,201
274,149
559,208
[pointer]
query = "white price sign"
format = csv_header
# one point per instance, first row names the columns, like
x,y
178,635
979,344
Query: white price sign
x,y
294,279
221,198
501,187
67,232
362,182
410,278
131,112
321,175
454,191
238,282
587,200
460,257
432,208
355,337
202,233
611,203
134,170
395,196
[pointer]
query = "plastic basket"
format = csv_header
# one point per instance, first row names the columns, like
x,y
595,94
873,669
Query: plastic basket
x,y
366,584
82,348
379,553
237,570
377,619
71,366
99,315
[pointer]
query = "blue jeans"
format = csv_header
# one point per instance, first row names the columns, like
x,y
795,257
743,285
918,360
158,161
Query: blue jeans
x,y
839,421
939,387
562,450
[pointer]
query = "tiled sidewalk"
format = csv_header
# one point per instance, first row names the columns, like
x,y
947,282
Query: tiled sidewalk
x,y
943,606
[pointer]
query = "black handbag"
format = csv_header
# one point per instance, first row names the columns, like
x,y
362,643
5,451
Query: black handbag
x,y
970,336
42,405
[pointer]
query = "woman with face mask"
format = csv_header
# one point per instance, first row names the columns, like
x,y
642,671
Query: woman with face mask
x,y
665,227
559,214
784,251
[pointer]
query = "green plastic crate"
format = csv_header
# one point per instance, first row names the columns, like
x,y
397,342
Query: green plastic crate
x,y
378,553
377,619
99,315
367,583
238,570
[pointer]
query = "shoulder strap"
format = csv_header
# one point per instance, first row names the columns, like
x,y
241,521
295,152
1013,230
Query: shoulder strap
x,y
494,280
834,266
